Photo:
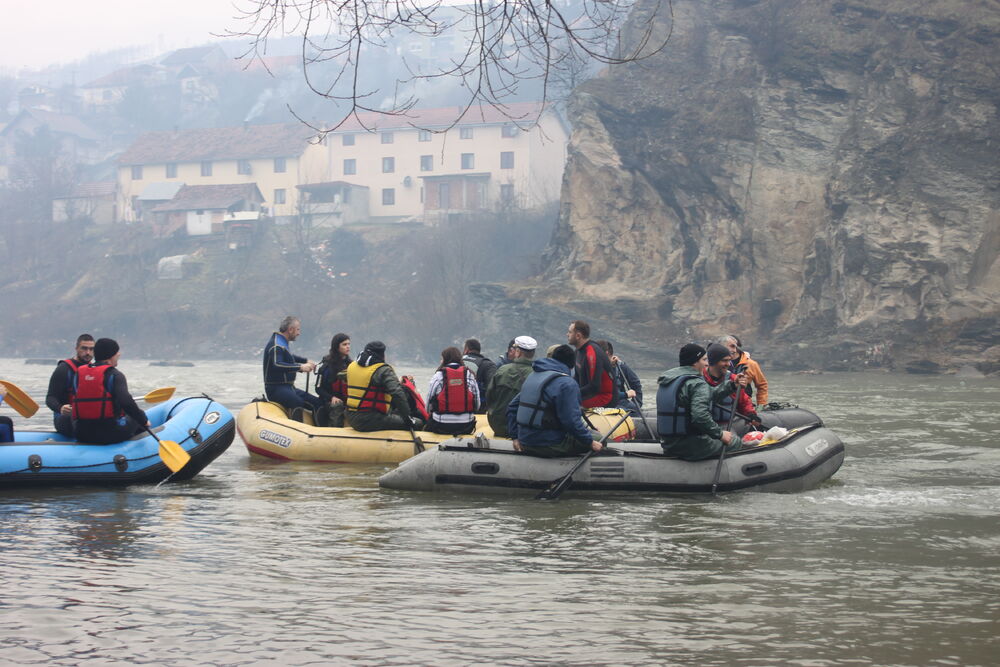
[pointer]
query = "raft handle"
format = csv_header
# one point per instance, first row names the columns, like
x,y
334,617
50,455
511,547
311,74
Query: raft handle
x,y
751,469
35,462
485,468
121,463
195,435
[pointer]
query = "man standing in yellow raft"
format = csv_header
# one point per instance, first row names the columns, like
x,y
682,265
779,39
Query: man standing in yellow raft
x,y
375,399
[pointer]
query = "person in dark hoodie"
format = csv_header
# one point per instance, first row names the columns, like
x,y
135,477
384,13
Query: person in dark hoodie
x,y
684,409
375,399
103,410
545,419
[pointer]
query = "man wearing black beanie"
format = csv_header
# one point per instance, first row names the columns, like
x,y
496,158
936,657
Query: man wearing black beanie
x,y
683,408
103,410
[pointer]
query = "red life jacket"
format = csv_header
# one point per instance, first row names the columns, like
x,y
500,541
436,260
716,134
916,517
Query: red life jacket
x,y
92,400
413,397
74,366
455,397
591,367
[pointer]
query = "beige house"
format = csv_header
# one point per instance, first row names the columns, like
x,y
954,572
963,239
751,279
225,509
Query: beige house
x,y
426,166
275,157
93,203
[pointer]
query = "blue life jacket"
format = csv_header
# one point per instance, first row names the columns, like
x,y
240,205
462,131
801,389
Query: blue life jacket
x,y
534,409
721,410
672,418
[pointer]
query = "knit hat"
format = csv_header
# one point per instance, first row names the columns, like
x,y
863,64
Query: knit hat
x,y
691,353
374,353
717,353
105,348
525,342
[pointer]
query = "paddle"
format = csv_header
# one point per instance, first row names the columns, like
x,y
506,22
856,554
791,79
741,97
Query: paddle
x,y
173,455
557,486
634,402
417,442
23,404
159,395
729,427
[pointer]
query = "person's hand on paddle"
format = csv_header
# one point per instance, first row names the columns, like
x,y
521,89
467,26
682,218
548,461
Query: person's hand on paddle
x,y
742,379
307,367
597,445
66,409
727,437
517,446
335,401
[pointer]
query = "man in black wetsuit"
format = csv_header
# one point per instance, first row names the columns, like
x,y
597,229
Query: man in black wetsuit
x,y
59,398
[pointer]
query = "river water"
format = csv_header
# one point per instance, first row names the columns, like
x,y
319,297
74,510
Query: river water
x,y
895,561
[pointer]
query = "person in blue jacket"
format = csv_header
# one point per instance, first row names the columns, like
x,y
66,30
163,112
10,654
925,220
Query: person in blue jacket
x,y
280,367
545,419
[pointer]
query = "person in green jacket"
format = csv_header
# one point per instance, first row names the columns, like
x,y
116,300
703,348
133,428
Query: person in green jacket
x,y
506,382
683,409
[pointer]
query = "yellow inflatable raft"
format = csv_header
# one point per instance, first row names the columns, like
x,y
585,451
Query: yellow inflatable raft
x,y
267,431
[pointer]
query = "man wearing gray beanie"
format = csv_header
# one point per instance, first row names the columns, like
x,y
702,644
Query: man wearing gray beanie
x,y
103,409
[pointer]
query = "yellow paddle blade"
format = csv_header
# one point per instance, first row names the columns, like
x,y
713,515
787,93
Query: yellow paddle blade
x,y
173,455
23,404
159,395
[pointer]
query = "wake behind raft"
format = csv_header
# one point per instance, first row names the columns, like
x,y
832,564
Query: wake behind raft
x,y
808,455
202,427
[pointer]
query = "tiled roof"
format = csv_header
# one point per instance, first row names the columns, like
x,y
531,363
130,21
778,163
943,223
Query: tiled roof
x,y
160,191
192,197
59,123
522,113
95,189
219,143
123,77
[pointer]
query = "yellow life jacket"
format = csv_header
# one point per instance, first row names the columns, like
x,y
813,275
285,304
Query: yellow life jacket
x,y
361,395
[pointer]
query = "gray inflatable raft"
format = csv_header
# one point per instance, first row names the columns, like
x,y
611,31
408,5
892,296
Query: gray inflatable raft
x,y
808,456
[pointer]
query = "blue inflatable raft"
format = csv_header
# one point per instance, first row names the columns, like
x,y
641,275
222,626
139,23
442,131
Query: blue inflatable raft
x,y
202,427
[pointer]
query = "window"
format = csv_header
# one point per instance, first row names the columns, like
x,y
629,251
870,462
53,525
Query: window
x,y
388,196
348,140
279,196
279,165
424,135
350,167
243,167
465,133
137,172
468,161
426,163
506,192
387,137
206,168
388,165
507,160
508,130
172,170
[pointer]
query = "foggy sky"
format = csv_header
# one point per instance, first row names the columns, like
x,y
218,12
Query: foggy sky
x,y
50,32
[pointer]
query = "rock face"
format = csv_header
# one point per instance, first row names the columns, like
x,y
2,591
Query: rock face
x,y
821,178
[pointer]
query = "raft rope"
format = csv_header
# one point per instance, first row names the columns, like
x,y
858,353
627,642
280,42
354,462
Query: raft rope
x,y
288,425
191,433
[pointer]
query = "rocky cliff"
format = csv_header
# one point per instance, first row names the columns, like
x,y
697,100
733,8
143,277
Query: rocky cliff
x,y
821,178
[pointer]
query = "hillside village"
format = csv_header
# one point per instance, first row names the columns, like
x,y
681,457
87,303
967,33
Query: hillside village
x,y
189,145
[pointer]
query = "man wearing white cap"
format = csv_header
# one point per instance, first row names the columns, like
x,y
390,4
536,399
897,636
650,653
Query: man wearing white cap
x,y
506,382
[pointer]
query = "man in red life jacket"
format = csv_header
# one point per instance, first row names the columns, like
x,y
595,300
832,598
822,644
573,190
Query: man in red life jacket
x,y
103,410
715,374
60,395
593,367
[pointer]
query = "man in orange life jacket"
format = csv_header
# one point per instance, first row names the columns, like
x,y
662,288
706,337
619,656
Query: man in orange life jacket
x,y
375,399
60,395
103,410
593,367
